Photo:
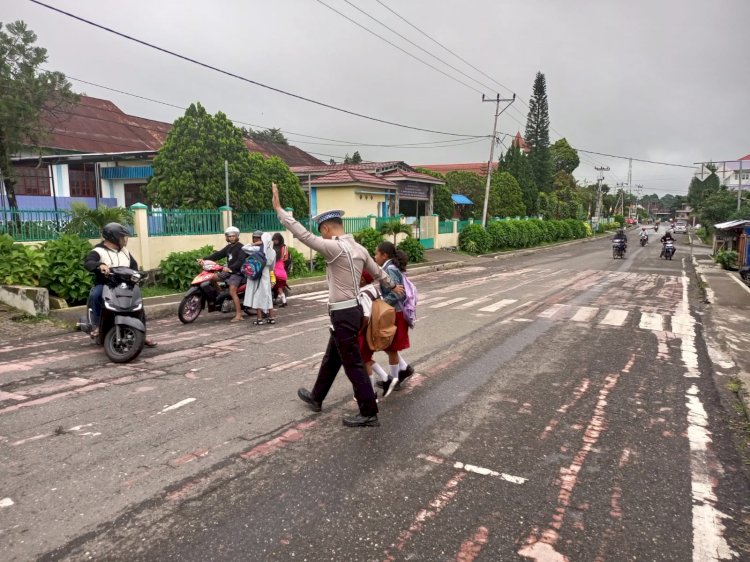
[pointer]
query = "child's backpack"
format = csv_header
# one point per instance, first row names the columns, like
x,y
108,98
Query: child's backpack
x,y
382,326
254,264
409,306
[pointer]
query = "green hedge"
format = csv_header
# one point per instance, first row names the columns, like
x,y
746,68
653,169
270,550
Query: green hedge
x,y
180,268
515,234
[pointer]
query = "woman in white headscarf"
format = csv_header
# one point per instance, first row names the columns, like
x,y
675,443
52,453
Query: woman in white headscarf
x,y
258,294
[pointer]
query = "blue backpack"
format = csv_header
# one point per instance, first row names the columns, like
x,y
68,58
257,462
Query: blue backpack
x,y
254,264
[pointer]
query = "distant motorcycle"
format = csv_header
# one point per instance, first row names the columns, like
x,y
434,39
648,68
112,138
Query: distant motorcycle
x,y
644,239
668,250
205,293
121,329
745,274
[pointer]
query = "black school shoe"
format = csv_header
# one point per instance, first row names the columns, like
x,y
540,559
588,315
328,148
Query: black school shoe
x,y
361,421
403,375
306,397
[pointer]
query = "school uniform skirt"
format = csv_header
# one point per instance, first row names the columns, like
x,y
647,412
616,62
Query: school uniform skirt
x,y
401,339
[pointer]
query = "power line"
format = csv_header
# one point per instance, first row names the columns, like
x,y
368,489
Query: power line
x,y
370,31
248,80
433,55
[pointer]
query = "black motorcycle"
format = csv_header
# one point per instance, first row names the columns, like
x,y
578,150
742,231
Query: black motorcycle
x,y
644,240
745,274
618,249
121,329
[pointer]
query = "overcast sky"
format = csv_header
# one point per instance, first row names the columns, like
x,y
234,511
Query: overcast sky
x,y
662,80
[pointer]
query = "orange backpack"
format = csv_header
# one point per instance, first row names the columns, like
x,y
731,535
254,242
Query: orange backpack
x,y
382,326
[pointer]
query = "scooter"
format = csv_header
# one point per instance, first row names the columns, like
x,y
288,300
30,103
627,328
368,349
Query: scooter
x,y
205,293
668,250
618,249
121,329
644,239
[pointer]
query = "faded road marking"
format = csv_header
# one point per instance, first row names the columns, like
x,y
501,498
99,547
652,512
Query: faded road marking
x,y
651,321
615,317
447,303
6,502
585,314
179,404
474,469
498,305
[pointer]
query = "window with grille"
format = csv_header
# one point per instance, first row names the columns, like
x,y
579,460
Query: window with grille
x,y
82,181
32,180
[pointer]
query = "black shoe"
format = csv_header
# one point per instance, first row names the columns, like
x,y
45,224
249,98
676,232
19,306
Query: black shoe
x,y
361,421
306,397
403,375
380,384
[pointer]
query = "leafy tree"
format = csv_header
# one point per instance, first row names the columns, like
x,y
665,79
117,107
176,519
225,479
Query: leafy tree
x,y
564,157
537,135
30,99
472,185
699,190
719,207
266,135
89,222
442,203
506,197
353,159
517,164
189,168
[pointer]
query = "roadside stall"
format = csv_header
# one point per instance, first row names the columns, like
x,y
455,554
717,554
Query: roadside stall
x,y
733,235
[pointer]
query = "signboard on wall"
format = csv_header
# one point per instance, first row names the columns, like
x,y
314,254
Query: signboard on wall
x,y
414,191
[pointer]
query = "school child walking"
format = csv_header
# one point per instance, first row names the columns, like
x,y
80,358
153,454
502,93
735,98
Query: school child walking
x,y
281,269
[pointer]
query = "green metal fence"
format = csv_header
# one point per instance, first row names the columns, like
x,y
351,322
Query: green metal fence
x,y
462,225
380,221
445,227
267,221
37,225
181,222
355,224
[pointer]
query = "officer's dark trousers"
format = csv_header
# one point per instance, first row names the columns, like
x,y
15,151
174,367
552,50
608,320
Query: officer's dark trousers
x,y
343,349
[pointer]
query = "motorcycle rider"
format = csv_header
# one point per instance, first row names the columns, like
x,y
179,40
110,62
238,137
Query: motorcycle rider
x,y
110,252
644,234
232,272
667,236
621,238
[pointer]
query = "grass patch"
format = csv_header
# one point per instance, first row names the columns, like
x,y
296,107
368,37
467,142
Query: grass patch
x,y
158,291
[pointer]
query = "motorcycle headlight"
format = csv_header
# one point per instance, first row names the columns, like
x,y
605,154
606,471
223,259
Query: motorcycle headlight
x,y
140,306
135,277
108,306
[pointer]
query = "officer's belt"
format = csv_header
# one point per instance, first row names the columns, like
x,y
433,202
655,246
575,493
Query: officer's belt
x,y
342,305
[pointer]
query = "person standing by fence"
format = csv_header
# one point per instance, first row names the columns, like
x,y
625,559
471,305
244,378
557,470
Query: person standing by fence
x,y
346,260
283,260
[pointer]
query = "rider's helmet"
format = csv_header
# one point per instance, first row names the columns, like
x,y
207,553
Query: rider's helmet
x,y
115,232
232,231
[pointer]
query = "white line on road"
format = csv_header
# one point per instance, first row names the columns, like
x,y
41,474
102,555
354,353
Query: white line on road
x,y
179,404
552,310
488,472
651,321
6,502
473,303
740,283
498,305
448,303
615,318
585,314
433,299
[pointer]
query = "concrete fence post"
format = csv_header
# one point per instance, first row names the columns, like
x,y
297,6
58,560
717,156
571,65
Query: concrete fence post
x,y
226,217
373,221
139,244
455,226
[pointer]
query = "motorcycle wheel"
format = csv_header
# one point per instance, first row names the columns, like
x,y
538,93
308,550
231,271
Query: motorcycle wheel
x,y
129,346
190,308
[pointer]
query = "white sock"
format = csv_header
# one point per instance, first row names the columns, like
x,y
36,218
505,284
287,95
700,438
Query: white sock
x,y
402,364
394,371
283,298
380,371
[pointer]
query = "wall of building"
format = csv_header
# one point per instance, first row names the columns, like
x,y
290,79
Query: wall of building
x,y
350,202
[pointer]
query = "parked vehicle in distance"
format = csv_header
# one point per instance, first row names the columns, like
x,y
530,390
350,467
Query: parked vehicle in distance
x,y
680,228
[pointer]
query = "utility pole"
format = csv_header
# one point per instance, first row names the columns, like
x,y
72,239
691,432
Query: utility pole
x,y
739,188
226,179
630,180
638,189
498,111
599,179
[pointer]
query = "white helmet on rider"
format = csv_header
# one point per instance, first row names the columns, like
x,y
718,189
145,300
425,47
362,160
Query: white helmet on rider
x,y
232,231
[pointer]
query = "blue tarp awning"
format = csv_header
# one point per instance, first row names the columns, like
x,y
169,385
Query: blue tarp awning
x,y
459,199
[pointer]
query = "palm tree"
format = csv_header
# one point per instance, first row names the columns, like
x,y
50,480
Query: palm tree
x,y
89,222
395,227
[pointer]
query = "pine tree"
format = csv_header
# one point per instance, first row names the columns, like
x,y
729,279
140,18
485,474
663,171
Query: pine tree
x,y
537,135
517,164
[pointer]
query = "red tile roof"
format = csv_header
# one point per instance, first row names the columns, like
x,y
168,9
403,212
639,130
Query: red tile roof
x,y
353,176
520,142
479,168
96,125
375,167
408,174
745,157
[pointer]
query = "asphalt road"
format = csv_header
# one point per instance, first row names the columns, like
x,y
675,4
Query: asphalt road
x,y
564,408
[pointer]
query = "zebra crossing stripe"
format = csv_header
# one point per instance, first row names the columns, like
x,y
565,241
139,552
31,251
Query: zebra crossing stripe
x,y
498,305
552,310
473,303
585,314
312,296
447,303
433,299
615,317
651,321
